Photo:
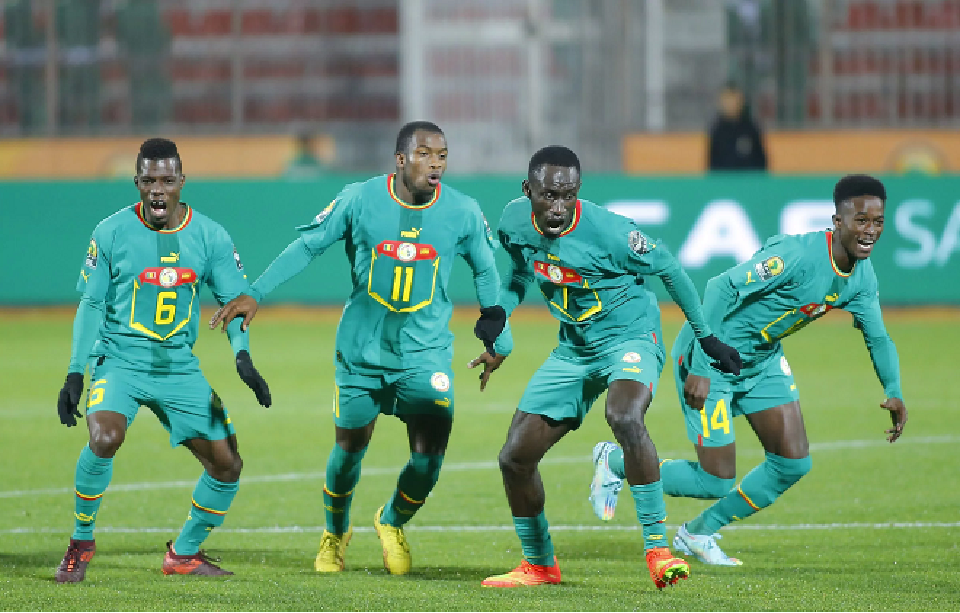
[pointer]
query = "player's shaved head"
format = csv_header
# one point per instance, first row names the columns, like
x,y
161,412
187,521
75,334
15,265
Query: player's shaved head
x,y
553,155
405,136
158,149
854,186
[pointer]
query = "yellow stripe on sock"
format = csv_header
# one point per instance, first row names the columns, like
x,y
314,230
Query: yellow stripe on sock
x,y
326,491
85,497
214,511
745,497
409,499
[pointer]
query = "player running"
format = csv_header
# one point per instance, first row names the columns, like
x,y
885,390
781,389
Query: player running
x,y
394,347
140,282
590,265
789,283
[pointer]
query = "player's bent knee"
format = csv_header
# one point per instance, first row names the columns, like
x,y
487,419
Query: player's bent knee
x,y
625,423
228,471
105,442
511,464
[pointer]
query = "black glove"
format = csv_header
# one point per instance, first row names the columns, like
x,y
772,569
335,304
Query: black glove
x,y
727,358
252,378
70,398
490,325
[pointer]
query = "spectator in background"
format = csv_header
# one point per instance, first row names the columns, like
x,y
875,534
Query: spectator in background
x,y
305,164
78,89
736,142
27,56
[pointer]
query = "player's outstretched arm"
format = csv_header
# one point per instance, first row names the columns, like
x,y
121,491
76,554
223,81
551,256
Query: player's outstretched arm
x,y
86,328
241,306
249,374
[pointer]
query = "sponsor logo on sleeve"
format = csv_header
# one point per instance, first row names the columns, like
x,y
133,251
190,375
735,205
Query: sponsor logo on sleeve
x,y
236,258
639,243
769,268
92,254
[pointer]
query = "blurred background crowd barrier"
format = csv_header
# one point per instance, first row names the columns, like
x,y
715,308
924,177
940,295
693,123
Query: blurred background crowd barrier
x,y
630,85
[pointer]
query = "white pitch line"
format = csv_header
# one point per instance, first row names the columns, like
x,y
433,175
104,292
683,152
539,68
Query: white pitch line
x,y
452,467
413,528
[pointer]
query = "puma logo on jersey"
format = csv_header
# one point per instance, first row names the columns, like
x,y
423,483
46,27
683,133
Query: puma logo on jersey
x,y
411,233
832,297
550,256
173,258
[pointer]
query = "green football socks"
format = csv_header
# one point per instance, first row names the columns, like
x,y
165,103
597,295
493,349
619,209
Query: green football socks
x,y
211,500
688,479
535,539
651,512
759,488
414,485
91,481
343,474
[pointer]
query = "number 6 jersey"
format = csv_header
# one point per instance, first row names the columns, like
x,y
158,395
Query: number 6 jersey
x,y
401,256
149,282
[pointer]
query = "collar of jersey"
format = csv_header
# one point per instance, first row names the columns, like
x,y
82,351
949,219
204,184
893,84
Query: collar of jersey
x,y
573,222
183,224
393,194
830,255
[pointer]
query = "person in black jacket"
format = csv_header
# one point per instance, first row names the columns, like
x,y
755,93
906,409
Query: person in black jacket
x,y
736,142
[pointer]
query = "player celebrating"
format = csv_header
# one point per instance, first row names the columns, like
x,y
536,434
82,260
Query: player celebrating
x,y
393,348
588,263
140,281
790,282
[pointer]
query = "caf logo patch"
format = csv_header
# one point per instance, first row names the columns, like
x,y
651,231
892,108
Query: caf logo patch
x,y
638,243
324,213
632,357
440,381
769,268
784,366
91,259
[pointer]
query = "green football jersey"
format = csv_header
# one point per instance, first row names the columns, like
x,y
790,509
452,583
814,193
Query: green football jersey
x,y
149,281
789,283
401,257
592,276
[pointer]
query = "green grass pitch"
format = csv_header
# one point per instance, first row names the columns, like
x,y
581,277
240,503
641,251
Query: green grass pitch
x,y
874,526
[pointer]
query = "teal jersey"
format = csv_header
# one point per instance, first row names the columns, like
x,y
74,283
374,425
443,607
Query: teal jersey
x,y
401,256
592,277
148,282
789,283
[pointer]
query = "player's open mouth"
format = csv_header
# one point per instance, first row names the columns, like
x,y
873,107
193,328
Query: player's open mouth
x,y
866,243
433,179
158,207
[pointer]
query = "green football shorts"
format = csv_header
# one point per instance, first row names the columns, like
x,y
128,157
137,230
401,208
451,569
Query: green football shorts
x,y
184,403
425,390
564,388
731,396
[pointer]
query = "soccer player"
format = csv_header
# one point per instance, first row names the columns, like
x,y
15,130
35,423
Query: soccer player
x,y
394,347
789,283
590,265
140,281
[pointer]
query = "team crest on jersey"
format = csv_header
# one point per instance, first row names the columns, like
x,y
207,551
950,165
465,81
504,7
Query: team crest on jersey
x,y
557,274
784,366
631,356
236,258
639,243
487,231
92,253
406,252
168,277
324,213
769,268
440,381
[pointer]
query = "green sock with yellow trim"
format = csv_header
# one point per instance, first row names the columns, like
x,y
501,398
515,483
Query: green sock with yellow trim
x,y
414,485
343,474
211,500
652,513
91,481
